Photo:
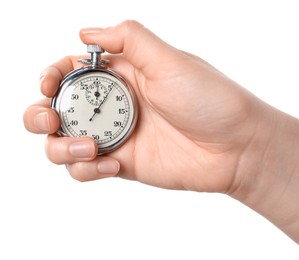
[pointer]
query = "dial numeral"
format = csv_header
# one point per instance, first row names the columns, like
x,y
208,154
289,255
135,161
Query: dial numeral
x,y
117,124
96,137
74,97
83,132
121,111
71,110
84,86
119,98
107,133
74,122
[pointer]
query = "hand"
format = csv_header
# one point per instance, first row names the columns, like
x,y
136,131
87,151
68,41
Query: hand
x,y
194,122
197,129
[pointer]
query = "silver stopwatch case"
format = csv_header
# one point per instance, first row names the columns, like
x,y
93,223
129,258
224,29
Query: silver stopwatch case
x,y
96,101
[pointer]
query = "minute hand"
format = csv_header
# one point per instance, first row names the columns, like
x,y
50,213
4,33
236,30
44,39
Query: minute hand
x,y
97,110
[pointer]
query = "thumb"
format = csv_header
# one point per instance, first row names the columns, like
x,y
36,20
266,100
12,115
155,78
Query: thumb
x,y
139,45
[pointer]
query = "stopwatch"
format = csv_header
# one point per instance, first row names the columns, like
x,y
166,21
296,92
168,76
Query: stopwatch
x,y
96,101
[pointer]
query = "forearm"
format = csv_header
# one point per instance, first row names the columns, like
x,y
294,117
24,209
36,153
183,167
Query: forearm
x,y
273,172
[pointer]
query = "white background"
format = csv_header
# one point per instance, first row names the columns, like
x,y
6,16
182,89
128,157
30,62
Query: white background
x,y
45,214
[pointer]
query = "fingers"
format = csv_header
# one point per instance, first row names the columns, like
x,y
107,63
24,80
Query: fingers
x,y
140,46
66,150
80,156
40,119
52,76
100,167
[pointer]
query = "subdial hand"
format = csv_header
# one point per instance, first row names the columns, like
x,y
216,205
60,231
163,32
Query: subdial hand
x,y
97,93
98,110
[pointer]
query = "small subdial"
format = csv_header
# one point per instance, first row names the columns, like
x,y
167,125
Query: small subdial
x,y
95,93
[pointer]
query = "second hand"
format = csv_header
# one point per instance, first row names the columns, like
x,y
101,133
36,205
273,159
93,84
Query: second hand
x,y
97,110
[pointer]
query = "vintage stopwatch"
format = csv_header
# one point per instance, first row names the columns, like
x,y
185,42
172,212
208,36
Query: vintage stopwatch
x,y
96,101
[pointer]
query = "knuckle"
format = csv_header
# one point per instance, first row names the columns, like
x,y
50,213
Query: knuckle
x,y
77,172
54,151
131,25
54,121
26,119
49,151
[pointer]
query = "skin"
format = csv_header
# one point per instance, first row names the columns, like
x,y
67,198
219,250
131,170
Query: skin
x,y
197,129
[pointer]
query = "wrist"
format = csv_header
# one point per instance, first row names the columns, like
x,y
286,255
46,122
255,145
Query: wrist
x,y
269,171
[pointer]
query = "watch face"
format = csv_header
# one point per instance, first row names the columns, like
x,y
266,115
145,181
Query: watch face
x,y
98,104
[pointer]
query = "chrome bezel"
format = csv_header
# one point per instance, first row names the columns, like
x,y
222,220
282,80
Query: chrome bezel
x,y
76,74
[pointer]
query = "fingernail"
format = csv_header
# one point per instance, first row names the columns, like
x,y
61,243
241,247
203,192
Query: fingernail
x,y
82,149
91,30
41,77
108,167
41,121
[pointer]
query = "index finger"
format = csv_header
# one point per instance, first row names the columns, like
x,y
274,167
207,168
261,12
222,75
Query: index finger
x,y
139,45
52,76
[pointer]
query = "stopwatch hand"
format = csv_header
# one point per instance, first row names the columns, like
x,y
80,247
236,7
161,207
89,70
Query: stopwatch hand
x,y
97,110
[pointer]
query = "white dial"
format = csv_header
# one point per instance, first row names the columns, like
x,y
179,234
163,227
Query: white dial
x,y
99,104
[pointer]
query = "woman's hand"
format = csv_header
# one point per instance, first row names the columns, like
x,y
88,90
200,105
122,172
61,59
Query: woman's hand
x,y
197,129
194,123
